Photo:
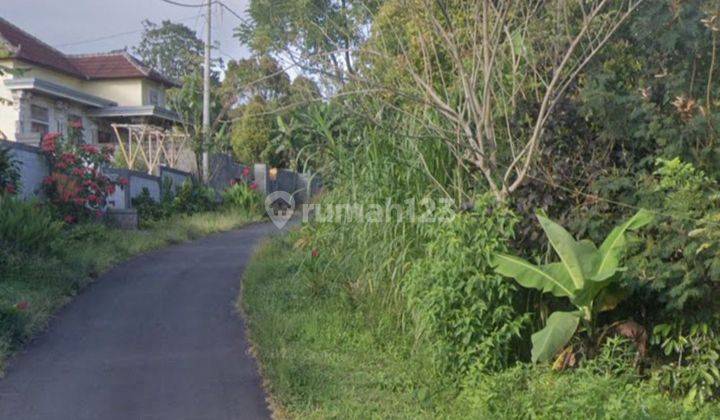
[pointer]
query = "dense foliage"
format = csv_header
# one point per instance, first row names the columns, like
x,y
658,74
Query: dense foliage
x,y
76,186
172,49
419,109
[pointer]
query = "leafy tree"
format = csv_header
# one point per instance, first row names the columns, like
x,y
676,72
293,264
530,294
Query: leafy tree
x,y
170,48
187,101
259,76
252,133
315,34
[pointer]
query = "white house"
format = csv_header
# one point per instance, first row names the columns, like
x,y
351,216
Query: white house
x,y
50,89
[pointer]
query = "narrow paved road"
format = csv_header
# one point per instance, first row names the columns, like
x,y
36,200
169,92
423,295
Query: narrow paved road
x,y
156,337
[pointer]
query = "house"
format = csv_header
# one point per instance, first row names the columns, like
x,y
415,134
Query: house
x,y
47,90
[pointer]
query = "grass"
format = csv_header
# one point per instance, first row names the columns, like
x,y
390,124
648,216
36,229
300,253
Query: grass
x,y
47,282
324,356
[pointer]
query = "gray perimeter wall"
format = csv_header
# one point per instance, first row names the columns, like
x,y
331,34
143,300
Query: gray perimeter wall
x,y
34,168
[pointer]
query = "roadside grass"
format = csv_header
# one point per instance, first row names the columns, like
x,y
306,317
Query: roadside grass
x,y
44,283
323,355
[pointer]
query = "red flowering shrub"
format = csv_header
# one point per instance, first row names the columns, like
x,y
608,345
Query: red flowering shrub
x,y
76,186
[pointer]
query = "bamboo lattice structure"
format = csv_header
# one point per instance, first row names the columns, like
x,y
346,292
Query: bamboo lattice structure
x,y
153,146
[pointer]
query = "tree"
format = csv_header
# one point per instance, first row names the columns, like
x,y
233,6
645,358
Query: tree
x,y
316,35
490,73
170,48
252,133
187,102
259,76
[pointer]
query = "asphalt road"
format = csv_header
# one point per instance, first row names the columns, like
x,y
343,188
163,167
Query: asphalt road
x,y
157,337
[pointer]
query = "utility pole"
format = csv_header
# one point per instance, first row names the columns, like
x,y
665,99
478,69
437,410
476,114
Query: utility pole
x,y
206,96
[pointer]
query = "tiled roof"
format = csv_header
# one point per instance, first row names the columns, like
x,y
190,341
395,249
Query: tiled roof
x,y
28,48
115,65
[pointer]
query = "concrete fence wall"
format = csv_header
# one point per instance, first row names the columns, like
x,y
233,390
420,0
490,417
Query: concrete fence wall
x,y
34,167
137,182
302,186
224,169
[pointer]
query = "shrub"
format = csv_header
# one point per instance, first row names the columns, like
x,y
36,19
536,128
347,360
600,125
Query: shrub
x,y
460,305
693,349
26,227
193,198
76,186
241,195
9,173
679,264
148,209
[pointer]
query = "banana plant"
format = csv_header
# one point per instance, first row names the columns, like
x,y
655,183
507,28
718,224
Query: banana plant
x,y
584,275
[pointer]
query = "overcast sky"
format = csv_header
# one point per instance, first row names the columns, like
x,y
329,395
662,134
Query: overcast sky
x,y
77,26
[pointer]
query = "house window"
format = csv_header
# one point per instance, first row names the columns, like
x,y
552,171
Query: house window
x,y
105,135
154,97
39,119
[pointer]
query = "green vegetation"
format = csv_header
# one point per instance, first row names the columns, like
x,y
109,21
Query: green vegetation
x,y
327,356
251,135
593,114
584,275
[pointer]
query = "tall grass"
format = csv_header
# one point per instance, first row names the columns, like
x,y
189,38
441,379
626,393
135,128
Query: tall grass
x,y
324,356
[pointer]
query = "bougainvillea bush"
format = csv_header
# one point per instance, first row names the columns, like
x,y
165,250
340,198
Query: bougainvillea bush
x,y
76,186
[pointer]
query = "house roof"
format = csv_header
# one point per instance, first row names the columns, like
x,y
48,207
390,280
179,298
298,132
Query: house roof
x,y
114,65
26,47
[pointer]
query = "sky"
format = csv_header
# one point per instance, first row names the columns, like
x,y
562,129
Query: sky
x,y
87,26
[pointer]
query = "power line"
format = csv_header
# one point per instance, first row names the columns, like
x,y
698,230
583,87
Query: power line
x,y
195,5
226,7
117,35
183,4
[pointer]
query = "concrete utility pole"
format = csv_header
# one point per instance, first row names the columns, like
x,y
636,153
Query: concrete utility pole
x,y
206,95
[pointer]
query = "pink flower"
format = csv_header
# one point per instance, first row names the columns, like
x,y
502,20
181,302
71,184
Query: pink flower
x,y
51,136
315,253
92,198
48,180
90,149
68,158
22,305
246,171
47,144
78,172
253,186
77,124
110,189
